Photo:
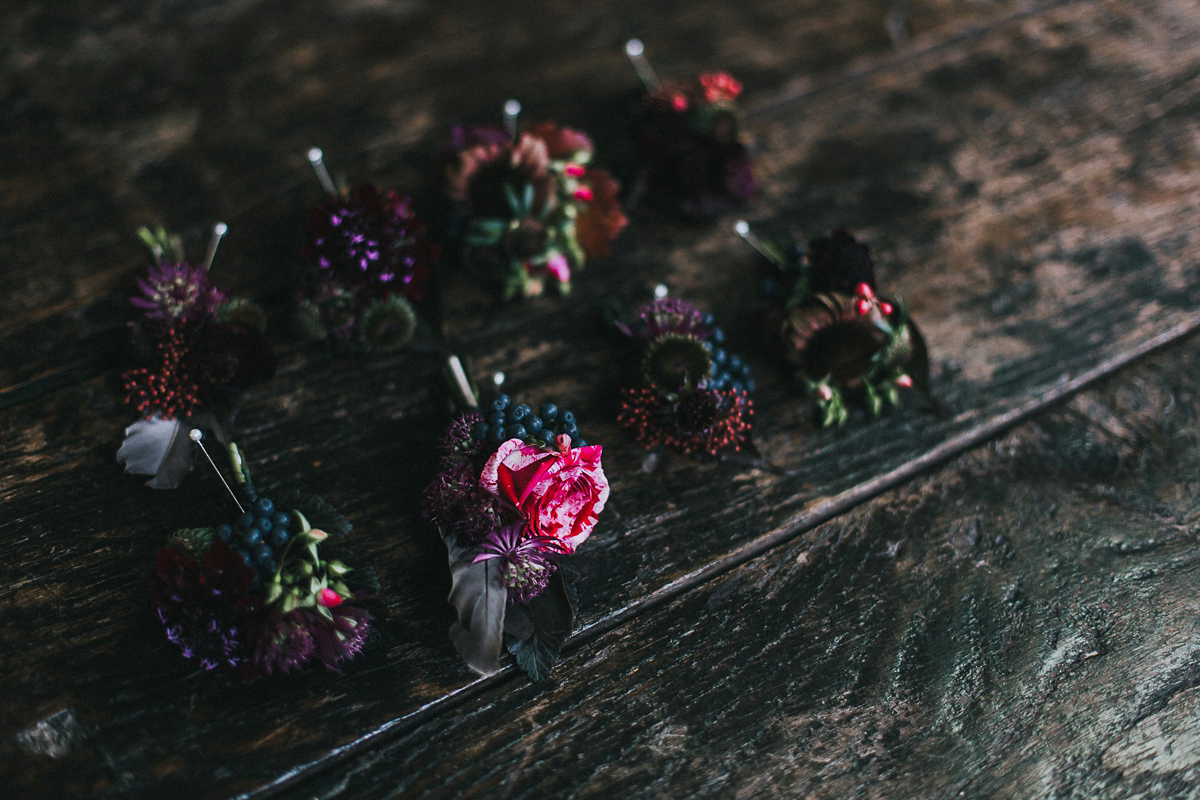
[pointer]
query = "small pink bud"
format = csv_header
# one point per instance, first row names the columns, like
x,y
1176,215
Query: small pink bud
x,y
824,393
329,598
574,170
886,309
558,266
864,290
862,305
679,101
904,381
584,193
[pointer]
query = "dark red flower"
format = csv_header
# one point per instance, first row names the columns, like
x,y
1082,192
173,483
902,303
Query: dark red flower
x,y
563,143
691,147
204,607
600,219
839,263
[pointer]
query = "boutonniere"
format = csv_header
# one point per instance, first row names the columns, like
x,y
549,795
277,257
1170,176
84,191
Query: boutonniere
x,y
196,351
845,340
257,594
518,492
530,208
693,151
690,393
366,261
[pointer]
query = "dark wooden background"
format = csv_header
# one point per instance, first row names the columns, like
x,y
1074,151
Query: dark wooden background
x,y
998,603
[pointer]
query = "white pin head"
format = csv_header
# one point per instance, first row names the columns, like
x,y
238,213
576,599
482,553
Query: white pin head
x,y
641,65
661,291
512,110
742,228
498,379
316,157
196,435
219,231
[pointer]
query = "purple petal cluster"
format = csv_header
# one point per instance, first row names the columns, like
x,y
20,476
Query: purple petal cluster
x,y
370,238
176,292
525,563
203,605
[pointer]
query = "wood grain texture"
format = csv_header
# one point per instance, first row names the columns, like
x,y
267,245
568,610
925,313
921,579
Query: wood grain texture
x,y
1020,624
1030,189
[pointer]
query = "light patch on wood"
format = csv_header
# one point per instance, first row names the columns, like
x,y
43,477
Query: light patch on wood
x,y
1167,741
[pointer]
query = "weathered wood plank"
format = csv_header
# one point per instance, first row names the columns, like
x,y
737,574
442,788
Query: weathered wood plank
x,y
1022,623
1017,306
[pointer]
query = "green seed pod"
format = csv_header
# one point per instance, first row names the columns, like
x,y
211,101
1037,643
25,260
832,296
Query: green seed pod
x,y
387,324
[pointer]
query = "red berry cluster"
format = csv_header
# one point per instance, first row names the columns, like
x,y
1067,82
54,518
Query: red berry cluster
x,y
865,300
169,389
713,419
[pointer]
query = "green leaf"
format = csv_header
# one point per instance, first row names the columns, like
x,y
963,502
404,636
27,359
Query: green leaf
x,y
534,657
527,204
513,202
489,225
874,400
325,612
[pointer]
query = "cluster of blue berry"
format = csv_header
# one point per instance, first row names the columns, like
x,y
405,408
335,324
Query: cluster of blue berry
x,y
259,537
503,421
729,371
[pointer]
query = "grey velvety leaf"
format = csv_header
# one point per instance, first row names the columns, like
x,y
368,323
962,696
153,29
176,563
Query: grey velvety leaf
x,y
479,596
158,447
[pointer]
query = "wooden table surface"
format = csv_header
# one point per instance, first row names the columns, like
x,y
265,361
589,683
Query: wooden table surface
x,y
999,602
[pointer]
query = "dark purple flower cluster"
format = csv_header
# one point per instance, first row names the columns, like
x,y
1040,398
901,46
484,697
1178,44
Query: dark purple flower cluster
x,y
210,610
195,347
366,258
454,500
693,153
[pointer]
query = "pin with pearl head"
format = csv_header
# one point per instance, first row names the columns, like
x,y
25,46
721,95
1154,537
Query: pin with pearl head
x,y
316,157
196,435
512,110
742,228
636,51
218,233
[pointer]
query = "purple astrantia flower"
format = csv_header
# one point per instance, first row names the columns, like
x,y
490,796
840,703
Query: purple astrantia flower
x,y
526,561
342,639
283,643
177,292
669,315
